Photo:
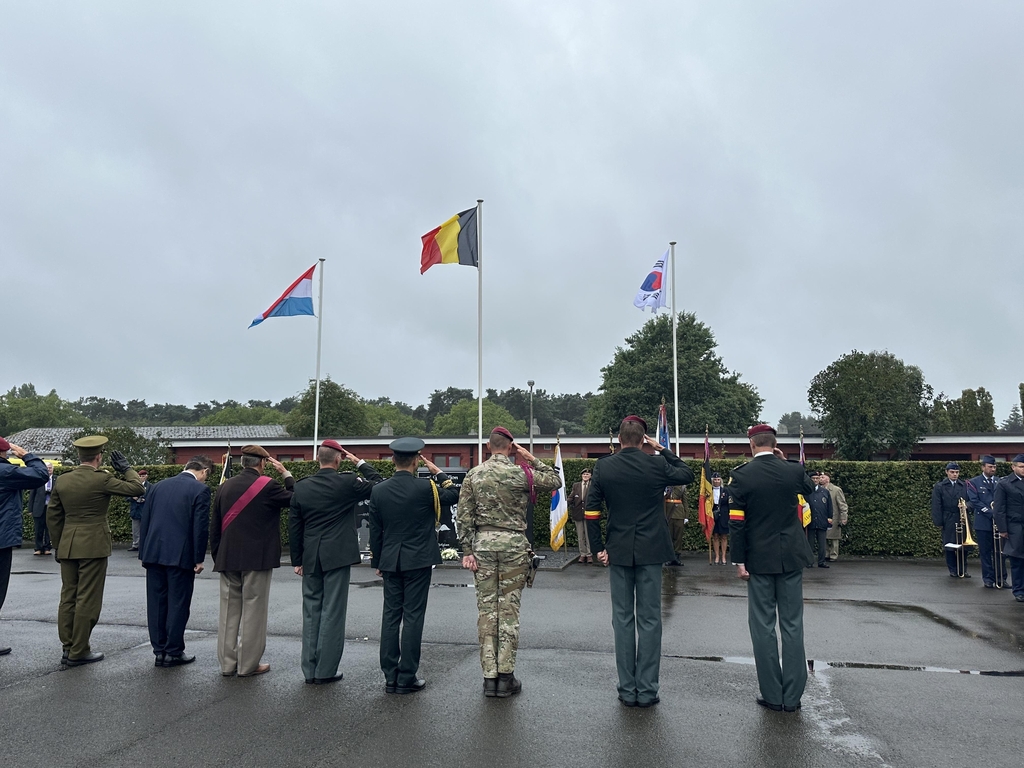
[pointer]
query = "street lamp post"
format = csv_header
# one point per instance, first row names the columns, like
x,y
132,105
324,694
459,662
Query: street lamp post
x,y
530,426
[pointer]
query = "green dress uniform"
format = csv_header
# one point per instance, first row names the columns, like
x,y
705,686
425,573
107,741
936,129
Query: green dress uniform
x,y
77,519
676,513
492,527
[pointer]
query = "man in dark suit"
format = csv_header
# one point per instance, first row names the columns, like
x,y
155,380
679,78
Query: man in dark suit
x,y
820,502
404,510
980,492
946,495
577,503
245,540
324,547
38,498
1009,516
173,530
770,551
631,484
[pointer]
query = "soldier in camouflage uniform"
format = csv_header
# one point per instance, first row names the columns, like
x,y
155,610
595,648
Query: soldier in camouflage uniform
x,y
492,532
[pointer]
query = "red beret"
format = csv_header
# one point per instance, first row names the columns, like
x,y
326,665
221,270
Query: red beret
x,y
637,419
757,429
332,444
4,445
503,432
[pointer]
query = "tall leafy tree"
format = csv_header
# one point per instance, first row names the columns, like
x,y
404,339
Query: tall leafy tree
x,y
23,408
243,415
341,412
442,401
791,424
640,376
398,416
971,412
1014,423
461,420
871,403
137,449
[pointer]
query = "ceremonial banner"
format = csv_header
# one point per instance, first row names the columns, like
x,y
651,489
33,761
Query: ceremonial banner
x,y
662,427
454,242
707,496
652,291
296,300
559,509
225,472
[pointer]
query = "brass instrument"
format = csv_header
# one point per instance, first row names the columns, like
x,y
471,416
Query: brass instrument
x,y
963,539
998,562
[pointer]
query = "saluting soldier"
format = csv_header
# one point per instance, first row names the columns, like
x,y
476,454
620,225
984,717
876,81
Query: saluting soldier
x,y
77,519
946,495
770,550
1009,516
980,493
676,514
492,531
404,511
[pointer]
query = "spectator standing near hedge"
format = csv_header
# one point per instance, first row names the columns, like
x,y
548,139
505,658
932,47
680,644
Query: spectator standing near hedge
x,y
840,516
720,509
946,495
135,504
77,518
820,502
245,539
14,480
1009,516
577,502
38,498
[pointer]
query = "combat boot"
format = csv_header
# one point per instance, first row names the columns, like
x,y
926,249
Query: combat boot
x,y
490,687
508,685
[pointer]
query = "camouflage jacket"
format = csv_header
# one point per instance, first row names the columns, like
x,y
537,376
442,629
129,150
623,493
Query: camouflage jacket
x,y
496,493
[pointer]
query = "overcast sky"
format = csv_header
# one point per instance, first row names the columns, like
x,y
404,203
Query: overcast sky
x,y
850,173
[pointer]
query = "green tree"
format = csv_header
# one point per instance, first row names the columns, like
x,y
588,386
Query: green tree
x,y
243,415
640,375
971,412
462,420
341,412
137,449
791,423
1014,423
23,408
441,402
402,423
870,403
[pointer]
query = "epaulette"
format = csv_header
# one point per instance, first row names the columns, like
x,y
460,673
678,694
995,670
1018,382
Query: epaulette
x,y
737,467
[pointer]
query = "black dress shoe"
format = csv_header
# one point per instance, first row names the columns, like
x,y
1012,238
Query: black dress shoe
x,y
989,585
310,680
416,687
177,661
160,657
89,658
490,687
64,657
823,565
651,703
791,709
326,680
767,705
508,685
389,687
4,651
1019,598
627,702
967,575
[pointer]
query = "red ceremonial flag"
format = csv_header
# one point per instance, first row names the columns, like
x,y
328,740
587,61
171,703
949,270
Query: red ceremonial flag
x,y
707,500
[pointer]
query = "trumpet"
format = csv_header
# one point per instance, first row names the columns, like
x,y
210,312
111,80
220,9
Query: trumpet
x,y
963,539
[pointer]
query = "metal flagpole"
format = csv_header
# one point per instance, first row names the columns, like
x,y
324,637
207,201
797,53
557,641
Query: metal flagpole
x,y
675,351
479,333
319,334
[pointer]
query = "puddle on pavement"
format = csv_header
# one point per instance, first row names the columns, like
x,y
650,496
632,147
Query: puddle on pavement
x,y
816,665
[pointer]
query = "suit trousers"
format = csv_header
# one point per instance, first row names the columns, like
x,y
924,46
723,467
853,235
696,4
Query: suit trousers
x,y
242,633
168,605
81,599
816,536
832,548
42,533
636,623
986,550
582,537
136,532
1017,574
6,556
781,596
401,627
324,610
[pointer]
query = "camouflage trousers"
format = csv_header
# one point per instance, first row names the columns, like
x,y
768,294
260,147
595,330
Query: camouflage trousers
x,y
500,577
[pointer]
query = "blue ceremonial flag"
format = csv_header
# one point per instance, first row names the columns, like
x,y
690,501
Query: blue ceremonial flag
x,y
652,290
296,300
663,427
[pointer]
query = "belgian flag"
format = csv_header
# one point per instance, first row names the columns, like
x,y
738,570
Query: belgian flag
x,y
454,242
707,502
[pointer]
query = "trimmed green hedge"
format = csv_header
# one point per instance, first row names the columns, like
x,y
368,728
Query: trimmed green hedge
x,y
890,502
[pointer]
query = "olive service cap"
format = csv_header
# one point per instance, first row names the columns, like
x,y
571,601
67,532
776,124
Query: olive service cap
x,y
952,465
90,445
757,429
988,459
4,445
409,446
334,444
637,419
1019,458
255,450
503,432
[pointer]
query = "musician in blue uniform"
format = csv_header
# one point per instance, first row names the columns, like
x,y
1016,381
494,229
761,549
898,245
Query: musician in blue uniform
x,y
980,492
946,495
1009,516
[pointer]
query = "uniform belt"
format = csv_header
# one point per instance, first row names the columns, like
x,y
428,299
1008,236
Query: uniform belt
x,y
673,501
492,528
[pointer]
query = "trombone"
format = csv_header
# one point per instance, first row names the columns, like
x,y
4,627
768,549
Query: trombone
x,y
997,554
963,539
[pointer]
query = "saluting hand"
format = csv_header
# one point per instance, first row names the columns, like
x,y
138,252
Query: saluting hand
x,y
434,469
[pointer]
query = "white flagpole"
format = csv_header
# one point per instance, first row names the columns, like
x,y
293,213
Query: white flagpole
x,y
319,334
675,351
479,332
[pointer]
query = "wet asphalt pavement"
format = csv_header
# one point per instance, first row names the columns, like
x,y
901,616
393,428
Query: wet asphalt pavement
x,y
888,640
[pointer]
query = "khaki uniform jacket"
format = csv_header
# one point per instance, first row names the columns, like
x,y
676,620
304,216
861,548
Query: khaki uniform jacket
x,y
77,512
840,511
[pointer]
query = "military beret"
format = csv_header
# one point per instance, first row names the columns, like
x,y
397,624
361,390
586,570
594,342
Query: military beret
x,y
988,459
143,473
1019,458
952,465
757,429
4,445
255,450
407,445
637,419
332,444
503,432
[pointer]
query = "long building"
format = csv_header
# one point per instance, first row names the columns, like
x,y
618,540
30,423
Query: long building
x,y
453,452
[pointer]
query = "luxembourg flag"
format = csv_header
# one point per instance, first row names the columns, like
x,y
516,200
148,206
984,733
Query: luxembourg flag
x,y
559,509
297,300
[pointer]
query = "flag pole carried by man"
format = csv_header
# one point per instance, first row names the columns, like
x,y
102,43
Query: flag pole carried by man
x,y
705,514
559,507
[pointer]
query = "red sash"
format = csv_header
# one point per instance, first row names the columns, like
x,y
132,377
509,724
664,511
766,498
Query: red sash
x,y
243,502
